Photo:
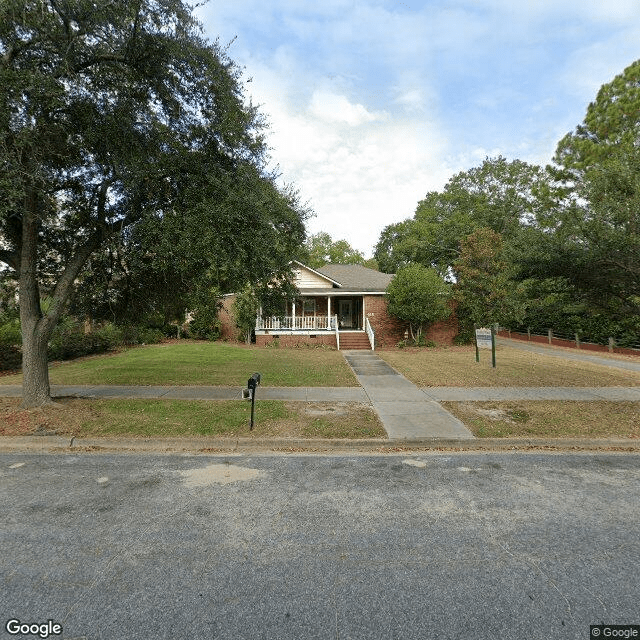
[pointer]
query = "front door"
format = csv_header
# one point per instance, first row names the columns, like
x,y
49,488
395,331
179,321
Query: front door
x,y
344,314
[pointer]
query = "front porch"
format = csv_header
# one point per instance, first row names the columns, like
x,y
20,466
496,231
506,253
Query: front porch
x,y
317,320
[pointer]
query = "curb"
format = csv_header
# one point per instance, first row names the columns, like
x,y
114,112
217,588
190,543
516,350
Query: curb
x,y
64,444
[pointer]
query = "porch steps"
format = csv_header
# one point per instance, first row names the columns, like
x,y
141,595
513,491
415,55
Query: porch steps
x,y
358,340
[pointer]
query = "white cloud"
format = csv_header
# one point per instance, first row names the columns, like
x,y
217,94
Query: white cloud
x,y
332,107
375,102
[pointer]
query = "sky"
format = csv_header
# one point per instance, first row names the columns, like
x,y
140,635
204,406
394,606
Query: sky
x,y
371,104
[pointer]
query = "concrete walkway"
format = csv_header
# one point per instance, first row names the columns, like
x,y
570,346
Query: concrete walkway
x,y
293,394
480,394
405,411
575,354
340,394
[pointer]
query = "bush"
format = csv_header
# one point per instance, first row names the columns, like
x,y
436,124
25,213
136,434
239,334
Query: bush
x,y
169,330
464,336
133,334
70,341
10,333
106,338
10,357
205,325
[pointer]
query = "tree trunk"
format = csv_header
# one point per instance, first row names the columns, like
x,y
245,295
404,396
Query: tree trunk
x,y
35,331
36,327
35,366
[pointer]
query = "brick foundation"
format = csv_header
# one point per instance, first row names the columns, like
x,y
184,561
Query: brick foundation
x,y
328,339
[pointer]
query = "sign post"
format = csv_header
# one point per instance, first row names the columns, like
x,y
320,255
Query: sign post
x,y
493,347
475,333
486,339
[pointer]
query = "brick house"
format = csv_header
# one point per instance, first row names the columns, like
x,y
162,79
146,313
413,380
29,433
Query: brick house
x,y
340,305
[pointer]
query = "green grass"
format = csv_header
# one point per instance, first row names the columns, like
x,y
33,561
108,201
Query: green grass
x,y
205,363
456,367
190,418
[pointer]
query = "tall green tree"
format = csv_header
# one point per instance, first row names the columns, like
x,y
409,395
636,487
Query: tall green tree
x,y
500,195
418,295
322,249
594,241
113,114
611,127
484,290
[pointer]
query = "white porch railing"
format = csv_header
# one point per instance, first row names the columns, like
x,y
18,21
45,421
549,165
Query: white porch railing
x,y
371,333
296,323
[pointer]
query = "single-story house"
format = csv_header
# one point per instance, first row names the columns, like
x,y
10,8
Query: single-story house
x,y
340,305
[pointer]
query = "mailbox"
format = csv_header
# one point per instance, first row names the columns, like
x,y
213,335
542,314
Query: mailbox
x,y
253,382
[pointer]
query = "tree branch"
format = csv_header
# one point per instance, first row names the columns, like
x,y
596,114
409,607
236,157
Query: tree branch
x,y
11,258
66,282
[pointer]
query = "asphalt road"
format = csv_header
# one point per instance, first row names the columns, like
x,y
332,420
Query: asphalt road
x,y
429,546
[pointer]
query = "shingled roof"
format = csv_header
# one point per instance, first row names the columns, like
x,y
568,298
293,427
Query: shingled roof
x,y
355,277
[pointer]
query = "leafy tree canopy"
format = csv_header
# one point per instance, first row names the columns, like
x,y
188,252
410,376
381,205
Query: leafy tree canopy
x,y
611,126
118,119
321,249
484,290
500,195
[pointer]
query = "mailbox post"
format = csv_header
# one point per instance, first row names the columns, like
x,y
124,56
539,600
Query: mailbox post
x,y
252,384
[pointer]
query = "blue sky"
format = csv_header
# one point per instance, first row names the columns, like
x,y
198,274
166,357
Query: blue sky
x,y
373,103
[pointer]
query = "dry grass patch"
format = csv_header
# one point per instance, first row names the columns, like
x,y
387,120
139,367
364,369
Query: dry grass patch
x,y
456,367
549,419
189,418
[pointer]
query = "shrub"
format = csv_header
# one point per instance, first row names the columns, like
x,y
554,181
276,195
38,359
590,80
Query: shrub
x,y
418,296
464,336
205,324
106,338
10,333
68,340
133,334
10,357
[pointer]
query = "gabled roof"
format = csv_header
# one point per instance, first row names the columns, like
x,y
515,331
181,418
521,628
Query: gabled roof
x,y
322,275
355,277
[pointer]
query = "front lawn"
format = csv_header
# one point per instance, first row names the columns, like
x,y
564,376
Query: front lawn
x,y
184,418
549,419
456,367
205,363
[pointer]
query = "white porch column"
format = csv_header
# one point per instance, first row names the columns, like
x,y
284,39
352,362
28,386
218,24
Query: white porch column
x,y
293,314
328,312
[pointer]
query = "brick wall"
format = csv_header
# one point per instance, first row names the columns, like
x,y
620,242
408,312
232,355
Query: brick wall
x,y
389,330
443,332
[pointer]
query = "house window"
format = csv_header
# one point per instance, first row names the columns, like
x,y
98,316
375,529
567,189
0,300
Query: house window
x,y
309,307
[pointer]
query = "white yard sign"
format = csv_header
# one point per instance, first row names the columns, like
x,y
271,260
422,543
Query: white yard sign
x,y
483,338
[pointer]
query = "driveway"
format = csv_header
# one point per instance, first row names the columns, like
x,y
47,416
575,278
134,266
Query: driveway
x,y
480,546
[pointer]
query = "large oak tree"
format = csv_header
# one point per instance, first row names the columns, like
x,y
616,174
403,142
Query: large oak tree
x,y
117,114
